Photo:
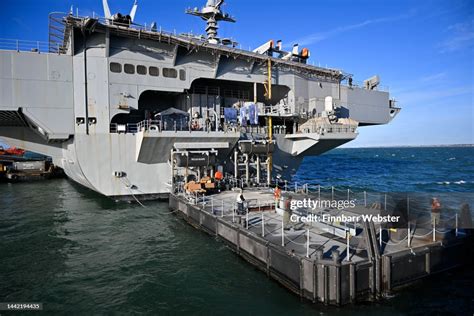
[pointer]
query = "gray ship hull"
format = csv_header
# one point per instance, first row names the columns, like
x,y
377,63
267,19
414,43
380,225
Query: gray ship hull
x,y
94,104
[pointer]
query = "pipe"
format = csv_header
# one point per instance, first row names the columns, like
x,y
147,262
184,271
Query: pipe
x,y
172,171
258,169
236,164
255,92
269,168
270,139
247,171
86,96
269,79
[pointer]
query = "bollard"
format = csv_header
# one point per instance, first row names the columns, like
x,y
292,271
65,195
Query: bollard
x,y
332,193
434,230
263,225
233,214
307,243
212,205
296,187
348,194
365,198
319,192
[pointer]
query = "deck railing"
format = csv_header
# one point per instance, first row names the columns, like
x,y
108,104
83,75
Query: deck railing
x,y
322,128
24,45
160,126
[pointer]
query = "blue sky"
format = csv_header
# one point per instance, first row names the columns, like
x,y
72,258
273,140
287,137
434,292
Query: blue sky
x,y
422,50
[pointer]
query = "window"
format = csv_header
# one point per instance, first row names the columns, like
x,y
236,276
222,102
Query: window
x,y
170,73
129,69
182,74
153,71
141,70
115,67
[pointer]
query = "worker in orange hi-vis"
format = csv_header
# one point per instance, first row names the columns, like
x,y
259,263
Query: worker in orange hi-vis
x,y
277,195
218,176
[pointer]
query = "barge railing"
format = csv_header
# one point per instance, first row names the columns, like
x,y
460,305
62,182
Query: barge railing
x,y
306,261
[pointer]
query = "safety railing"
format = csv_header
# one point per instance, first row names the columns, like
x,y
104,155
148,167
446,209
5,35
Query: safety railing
x,y
160,126
147,125
279,109
262,220
259,216
24,46
360,84
322,128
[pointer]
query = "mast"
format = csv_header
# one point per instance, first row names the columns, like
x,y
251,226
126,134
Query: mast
x,y
212,14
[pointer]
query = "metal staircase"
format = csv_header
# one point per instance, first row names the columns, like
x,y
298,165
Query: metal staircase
x,y
59,33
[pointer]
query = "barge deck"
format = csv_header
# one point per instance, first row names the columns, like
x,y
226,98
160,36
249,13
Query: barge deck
x,y
336,263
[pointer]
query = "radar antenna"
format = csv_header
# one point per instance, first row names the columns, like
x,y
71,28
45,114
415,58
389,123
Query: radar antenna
x,y
212,14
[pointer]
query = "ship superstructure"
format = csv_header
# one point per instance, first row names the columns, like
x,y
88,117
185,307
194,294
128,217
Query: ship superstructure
x,y
118,105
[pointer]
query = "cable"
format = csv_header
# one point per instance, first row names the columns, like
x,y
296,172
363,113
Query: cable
x,y
390,242
130,190
421,236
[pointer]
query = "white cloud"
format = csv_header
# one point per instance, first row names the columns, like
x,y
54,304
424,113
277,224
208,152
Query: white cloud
x,y
317,37
461,37
433,78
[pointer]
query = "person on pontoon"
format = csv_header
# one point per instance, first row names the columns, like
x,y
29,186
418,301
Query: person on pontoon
x,y
435,211
241,209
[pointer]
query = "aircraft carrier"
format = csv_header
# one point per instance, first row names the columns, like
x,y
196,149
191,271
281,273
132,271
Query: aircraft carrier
x,y
121,106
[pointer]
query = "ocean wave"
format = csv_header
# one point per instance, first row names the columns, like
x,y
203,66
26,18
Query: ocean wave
x,y
452,158
448,182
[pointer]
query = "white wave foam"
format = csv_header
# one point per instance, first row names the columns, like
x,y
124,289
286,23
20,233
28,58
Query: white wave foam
x,y
444,182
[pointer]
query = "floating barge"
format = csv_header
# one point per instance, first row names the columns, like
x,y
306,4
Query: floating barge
x,y
15,168
336,263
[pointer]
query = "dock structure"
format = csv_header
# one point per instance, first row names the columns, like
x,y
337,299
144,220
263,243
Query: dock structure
x,y
334,263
